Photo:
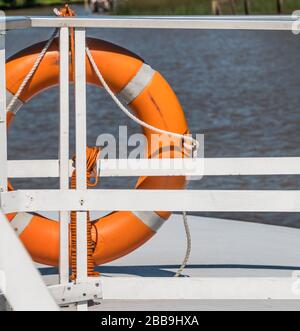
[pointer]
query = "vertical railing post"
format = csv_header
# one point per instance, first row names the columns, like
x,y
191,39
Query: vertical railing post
x,y
64,151
3,130
80,119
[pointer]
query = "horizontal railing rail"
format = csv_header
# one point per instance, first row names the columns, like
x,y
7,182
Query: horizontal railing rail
x,y
248,166
158,22
149,200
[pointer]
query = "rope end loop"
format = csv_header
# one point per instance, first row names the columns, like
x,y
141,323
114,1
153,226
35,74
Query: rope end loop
x,y
65,11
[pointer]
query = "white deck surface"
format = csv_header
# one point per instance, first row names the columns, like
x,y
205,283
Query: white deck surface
x,y
221,248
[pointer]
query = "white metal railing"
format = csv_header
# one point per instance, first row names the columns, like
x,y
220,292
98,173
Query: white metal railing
x,y
148,200
29,296
63,161
159,22
249,166
83,200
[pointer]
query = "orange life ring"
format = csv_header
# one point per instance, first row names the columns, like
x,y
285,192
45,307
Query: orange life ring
x,y
149,96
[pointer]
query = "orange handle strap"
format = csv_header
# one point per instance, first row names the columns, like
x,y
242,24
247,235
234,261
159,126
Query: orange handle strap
x,y
92,158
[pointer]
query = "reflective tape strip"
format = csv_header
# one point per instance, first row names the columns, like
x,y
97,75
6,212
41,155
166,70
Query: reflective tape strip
x,y
16,106
138,83
20,222
151,219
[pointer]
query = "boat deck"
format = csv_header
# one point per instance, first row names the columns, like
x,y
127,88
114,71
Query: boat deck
x,y
220,248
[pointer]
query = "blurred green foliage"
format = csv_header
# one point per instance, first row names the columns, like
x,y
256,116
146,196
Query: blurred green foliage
x,y
29,3
197,7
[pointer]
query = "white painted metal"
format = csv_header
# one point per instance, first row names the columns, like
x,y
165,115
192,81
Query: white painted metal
x,y
71,293
80,110
33,168
3,133
200,167
183,22
17,22
147,200
165,167
31,295
159,22
251,166
147,288
64,152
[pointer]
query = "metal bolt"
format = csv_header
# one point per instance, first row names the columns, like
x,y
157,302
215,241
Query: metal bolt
x,y
82,202
97,284
84,294
69,288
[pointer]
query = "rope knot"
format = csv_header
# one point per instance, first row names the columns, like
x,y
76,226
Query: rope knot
x,y
65,11
92,156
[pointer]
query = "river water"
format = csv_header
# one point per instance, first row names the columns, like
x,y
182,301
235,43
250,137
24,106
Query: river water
x,y
239,88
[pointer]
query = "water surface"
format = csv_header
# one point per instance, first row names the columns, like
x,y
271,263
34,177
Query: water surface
x,y
239,88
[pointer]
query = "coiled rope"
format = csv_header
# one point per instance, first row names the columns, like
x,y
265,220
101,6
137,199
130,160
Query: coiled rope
x,y
188,245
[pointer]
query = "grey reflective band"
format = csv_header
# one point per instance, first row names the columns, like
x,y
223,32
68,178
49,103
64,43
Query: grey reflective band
x,y
16,106
20,222
138,83
151,219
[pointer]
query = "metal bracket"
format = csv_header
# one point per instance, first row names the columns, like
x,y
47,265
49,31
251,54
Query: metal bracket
x,y
77,292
